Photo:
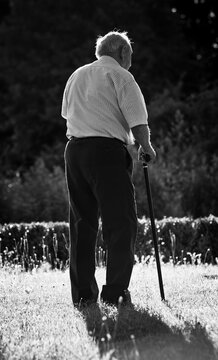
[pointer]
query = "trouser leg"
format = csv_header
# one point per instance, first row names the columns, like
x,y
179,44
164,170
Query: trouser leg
x,y
118,210
83,230
82,259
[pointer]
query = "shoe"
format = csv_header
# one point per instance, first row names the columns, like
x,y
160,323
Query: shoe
x,y
115,295
86,298
84,303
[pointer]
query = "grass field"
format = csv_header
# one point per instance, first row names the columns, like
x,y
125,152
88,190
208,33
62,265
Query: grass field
x,y
38,320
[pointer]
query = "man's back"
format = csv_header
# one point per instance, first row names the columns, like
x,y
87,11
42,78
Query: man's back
x,y
96,101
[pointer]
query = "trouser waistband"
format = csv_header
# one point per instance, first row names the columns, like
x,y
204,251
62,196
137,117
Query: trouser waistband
x,y
87,138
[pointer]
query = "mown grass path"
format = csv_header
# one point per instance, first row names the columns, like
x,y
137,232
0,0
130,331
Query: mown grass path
x,y
38,321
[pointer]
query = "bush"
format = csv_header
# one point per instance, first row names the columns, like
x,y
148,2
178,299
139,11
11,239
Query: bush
x,y
39,195
177,237
184,180
35,242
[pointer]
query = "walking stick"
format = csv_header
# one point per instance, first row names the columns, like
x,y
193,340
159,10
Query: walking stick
x,y
146,159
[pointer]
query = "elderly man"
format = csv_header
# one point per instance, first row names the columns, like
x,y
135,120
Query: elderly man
x,y
104,109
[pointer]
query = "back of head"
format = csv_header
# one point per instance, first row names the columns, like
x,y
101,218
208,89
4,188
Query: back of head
x,y
111,43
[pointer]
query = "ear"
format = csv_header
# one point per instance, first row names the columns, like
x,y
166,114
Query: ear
x,y
123,51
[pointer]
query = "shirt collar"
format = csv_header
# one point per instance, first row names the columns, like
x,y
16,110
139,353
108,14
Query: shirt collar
x,y
109,60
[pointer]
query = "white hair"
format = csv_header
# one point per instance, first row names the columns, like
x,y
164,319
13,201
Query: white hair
x,y
110,43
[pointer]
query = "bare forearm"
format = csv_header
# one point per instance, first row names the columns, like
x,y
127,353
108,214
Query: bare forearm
x,y
141,134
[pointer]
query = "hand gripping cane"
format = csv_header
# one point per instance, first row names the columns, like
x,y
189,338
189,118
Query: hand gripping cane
x,y
146,159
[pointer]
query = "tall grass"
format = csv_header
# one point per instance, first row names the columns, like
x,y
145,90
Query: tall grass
x,y
38,320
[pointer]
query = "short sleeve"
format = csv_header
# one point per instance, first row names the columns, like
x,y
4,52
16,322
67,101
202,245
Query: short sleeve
x,y
132,104
64,106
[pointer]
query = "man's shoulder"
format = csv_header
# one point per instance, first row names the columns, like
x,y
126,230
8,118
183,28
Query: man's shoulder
x,y
82,68
125,74
78,71
114,70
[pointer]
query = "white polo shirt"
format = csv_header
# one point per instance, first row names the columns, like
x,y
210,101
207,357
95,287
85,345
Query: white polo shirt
x,y
103,99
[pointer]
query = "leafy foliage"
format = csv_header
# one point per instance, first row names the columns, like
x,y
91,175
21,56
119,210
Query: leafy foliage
x,y
184,178
39,195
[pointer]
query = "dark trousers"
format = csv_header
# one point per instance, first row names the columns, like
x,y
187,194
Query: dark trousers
x,y
99,180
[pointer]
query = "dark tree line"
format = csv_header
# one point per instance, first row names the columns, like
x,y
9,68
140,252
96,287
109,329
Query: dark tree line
x,y
42,42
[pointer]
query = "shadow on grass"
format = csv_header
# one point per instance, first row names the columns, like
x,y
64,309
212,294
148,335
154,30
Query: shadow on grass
x,y
134,334
2,349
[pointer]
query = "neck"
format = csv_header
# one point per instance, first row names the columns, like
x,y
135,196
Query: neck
x,y
115,57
